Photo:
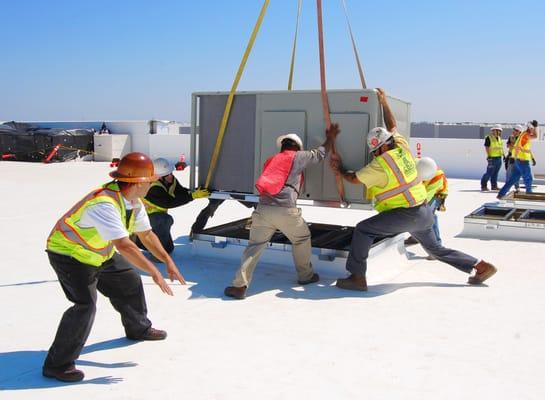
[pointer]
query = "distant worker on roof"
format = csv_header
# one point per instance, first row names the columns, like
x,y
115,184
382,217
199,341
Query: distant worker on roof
x,y
399,196
89,249
166,193
493,145
279,186
510,156
522,151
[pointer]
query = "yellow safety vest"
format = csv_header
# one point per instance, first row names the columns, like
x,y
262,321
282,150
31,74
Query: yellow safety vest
x,y
496,146
512,149
436,185
523,153
403,189
85,244
152,208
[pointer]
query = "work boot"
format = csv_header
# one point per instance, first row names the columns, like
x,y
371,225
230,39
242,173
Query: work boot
x,y
494,188
150,334
483,271
484,189
410,241
70,374
314,278
238,293
353,282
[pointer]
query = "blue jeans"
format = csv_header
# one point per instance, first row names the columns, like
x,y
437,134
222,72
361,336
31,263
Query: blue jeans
x,y
509,172
521,168
492,169
434,205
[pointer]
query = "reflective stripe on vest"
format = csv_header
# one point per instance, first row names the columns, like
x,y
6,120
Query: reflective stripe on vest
x,y
85,244
523,153
152,208
436,185
496,146
403,189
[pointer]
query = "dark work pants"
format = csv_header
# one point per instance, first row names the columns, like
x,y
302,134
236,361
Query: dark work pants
x,y
115,279
418,222
492,169
161,222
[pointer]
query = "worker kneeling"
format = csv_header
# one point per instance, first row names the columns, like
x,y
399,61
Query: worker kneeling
x,y
279,186
166,193
399,196
82,251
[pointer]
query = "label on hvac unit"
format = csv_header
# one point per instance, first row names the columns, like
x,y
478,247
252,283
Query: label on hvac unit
x,y
534,225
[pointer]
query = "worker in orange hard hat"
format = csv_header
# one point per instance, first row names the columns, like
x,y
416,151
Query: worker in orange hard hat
x,y
89,249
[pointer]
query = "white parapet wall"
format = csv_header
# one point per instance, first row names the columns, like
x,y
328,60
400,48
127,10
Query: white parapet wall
x,y
466,158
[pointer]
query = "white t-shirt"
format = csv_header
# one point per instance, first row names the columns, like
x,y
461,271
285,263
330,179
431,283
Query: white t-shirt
x,y
105,218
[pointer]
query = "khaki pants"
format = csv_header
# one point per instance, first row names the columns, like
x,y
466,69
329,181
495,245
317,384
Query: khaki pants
x,y
265,221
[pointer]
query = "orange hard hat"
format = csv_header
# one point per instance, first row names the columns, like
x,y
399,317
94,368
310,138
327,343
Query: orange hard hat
x,y
134,168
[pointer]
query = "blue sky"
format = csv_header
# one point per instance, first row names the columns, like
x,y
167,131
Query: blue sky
x,y
129,59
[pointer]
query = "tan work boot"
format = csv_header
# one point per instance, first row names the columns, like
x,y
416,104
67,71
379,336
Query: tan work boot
x,y
238,293
484,271
353,282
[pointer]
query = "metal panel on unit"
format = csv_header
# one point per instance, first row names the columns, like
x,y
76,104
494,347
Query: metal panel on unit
x,y
258,118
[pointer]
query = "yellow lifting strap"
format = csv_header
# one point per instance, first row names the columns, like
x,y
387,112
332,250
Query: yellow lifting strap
x,y
325,103
227,111
360,69
292,64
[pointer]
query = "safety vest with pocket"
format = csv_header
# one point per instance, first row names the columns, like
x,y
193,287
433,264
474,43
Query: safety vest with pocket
x,y
85,244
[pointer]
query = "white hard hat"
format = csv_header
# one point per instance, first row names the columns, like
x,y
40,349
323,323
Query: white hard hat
x,y
496,127
162,167
426,168
377,137
291,136
518,128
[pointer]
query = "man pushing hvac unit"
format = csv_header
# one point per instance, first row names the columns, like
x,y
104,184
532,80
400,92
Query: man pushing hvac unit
x,y
399,196
82,251
279,185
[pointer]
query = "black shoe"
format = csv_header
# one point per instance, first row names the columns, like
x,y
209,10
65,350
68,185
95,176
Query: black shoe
x,y
484,189
70,374
151,334
410,241
238,293
314,278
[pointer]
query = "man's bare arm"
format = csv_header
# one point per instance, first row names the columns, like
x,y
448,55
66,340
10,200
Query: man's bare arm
x,y
389,118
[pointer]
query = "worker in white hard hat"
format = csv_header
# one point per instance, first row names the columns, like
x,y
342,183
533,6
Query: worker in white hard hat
x,y
522,152
436,185
166,193
392,183
493,145
510,156
279,186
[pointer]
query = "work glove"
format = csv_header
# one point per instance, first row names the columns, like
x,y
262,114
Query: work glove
x,y
200,193
533,162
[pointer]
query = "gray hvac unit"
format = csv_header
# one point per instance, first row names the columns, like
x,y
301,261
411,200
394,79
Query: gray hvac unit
x,y
258,118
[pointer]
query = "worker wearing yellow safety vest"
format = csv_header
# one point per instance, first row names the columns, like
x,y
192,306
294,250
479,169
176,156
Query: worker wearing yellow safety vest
x,y
399,196
90,250
493,145
166,193
510,157
436,185
522,151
